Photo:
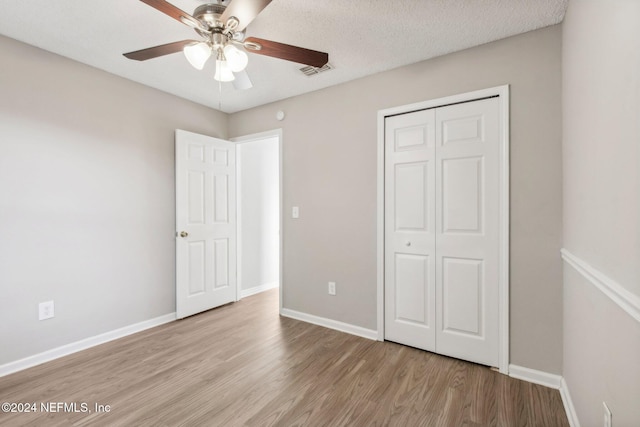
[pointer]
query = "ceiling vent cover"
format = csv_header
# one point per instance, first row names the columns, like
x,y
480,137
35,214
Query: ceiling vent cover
x,y
310,71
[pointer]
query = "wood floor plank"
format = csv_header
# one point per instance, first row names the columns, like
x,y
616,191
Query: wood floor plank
x,y
243,365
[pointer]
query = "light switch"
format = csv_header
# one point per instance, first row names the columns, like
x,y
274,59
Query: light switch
x,y
295,212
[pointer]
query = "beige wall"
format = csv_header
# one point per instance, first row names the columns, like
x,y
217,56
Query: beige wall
x,y
329,151
601,162
601,85
86,198
601,354
99,151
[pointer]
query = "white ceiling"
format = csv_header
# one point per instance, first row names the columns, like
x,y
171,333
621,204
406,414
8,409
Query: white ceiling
x,y
362,37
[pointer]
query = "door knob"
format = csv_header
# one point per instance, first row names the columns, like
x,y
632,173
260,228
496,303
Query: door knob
x,y
183,234
408,243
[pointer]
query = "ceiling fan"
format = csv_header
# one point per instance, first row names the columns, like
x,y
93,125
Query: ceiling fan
x,y
222,29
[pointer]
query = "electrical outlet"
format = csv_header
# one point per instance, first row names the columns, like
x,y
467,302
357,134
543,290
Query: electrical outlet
x,y
332,288
45,310
607,415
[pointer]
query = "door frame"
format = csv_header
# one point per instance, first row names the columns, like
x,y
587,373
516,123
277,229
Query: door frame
x,y
503,93
277,133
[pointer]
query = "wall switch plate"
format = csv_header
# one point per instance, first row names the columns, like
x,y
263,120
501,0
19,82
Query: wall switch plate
x,y
295,212
45,310
332,288
607,415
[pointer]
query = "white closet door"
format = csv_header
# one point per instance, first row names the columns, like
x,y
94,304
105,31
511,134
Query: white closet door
x,y
467,230
442,222
409,229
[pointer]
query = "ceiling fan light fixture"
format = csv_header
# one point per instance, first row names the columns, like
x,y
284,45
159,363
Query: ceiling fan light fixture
x,y
222,26
197,54
242,81
223,72
236,59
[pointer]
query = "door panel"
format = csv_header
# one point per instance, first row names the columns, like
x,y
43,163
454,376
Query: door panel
x,y
463,294
462,195
412,305
413,137
409,230
221,251
205,211
464,129
195,204
221,199
411,196
221,157
467,230
196,270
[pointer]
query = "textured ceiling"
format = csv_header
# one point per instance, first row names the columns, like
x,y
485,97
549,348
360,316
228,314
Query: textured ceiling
x,y
362,37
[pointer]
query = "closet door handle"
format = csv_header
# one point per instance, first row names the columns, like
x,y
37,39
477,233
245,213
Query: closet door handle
x,y
183,234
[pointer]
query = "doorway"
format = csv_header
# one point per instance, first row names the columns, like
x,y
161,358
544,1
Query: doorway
x,y
228,219
443,226
259,212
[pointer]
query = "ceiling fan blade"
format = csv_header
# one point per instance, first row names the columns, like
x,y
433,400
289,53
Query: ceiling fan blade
x,y
156,51
244,10
177,14
288,52
242,80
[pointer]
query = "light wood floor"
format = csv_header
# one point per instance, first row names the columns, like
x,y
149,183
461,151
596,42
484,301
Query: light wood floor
x,y
242,364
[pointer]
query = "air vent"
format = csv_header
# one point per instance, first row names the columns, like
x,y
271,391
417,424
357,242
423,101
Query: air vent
x,y
310,71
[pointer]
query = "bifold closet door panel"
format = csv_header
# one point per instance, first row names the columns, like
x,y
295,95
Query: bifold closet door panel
x,y
467,230
409,229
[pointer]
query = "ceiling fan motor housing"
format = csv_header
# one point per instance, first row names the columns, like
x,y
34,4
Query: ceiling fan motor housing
x,y
209,14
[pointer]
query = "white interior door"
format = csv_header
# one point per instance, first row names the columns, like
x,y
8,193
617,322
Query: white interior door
x,y
410,316
442,221
205,223
467,230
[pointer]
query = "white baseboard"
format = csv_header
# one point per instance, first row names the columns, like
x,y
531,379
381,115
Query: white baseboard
x,y
55,353
533,376
625,299
257,289
331,324
548,380
572,416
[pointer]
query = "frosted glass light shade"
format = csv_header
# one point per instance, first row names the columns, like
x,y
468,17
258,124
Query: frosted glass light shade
x,y
197,54
242,80
236,58
223,72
